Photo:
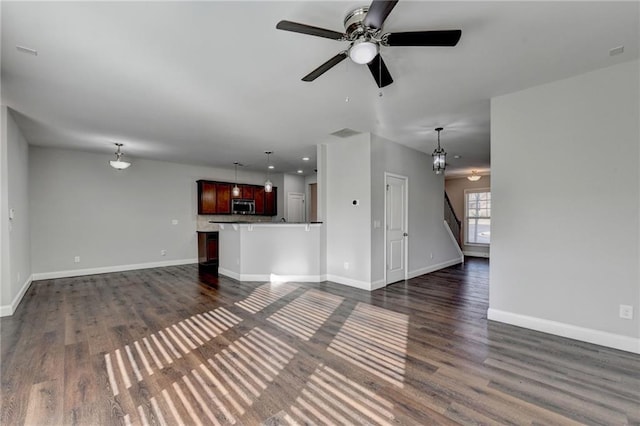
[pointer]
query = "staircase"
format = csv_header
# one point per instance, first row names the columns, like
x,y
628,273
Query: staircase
x,y
452,220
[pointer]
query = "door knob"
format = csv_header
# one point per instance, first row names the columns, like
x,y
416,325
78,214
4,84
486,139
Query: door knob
x,y
405,235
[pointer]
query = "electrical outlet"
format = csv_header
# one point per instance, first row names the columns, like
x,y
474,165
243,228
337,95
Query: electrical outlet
x,y
163,252
76,259
346,265
626,311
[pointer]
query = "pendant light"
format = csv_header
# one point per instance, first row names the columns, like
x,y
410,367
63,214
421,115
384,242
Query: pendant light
x,y
235,192
118,163
439,156
474,176
268,186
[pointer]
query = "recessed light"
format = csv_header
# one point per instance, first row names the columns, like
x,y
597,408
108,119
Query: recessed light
x,y
456,156
300,171
271,167
28,50
305,158
616,51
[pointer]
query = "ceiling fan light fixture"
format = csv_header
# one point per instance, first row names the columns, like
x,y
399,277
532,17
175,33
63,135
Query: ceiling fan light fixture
x,y
119,163
363,51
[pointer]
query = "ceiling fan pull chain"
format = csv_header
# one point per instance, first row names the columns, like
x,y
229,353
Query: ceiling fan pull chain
x,y
380,74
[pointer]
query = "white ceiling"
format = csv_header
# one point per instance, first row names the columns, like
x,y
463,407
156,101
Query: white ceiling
x,y
214,82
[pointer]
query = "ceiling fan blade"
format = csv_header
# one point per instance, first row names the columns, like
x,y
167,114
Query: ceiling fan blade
x,y
325,67
423,38
378,12
380,72
308,29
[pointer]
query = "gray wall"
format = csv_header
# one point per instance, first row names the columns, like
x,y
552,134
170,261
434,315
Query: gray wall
x,y
427,234
455,189
16,260
347,173
82,207
566,199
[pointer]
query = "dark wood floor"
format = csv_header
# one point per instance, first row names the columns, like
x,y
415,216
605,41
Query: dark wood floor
x,y
171,346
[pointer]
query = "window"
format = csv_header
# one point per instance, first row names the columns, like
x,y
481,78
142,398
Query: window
x,y
477,216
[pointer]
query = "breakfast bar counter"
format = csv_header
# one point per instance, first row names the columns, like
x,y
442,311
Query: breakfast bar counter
x,y
267,251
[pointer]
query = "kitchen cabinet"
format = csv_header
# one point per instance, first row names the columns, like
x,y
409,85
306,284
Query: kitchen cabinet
x,y
258,196
271,202
208,250
215,198
223,198
247,191
206,197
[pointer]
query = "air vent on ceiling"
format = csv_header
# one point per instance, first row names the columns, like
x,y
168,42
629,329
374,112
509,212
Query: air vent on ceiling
x,y
345,133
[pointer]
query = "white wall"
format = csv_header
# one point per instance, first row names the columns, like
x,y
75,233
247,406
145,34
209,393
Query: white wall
x,y
455,188
427,234
112,219
565,249
346,175
16,259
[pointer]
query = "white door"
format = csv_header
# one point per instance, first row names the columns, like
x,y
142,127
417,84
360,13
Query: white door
x,y
396,227
295,207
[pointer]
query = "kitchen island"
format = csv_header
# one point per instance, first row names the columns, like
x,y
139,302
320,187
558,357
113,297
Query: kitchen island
x,y
270,251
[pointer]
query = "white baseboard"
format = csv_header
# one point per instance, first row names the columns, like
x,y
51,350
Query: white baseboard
x,y
476,254
431,268
363,285
378,284
8,310
230,274
108,269
602,338
271,277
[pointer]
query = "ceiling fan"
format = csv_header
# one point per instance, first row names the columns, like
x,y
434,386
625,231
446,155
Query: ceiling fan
x,y
363,31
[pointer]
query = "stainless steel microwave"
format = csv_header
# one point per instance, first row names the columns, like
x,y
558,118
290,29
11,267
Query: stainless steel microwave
x,y
243,206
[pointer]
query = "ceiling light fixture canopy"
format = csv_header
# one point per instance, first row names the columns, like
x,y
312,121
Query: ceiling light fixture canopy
x,y
474,176
118,163
363,51
235,192
439,156
268,186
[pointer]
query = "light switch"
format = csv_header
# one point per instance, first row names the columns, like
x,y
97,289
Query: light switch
x,y
12,213
174,221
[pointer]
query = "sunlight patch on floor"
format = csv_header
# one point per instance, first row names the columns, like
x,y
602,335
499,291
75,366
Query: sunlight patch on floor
x,y
305,315
374,339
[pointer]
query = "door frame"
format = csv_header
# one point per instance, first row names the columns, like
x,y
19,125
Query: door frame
x,y
406,222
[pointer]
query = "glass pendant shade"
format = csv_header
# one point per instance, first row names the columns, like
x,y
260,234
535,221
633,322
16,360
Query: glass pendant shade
x,y
119,163
268,186
439,156
439,160
235,191
363,51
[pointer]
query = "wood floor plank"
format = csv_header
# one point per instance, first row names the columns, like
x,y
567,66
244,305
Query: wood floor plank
x,y
177,346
